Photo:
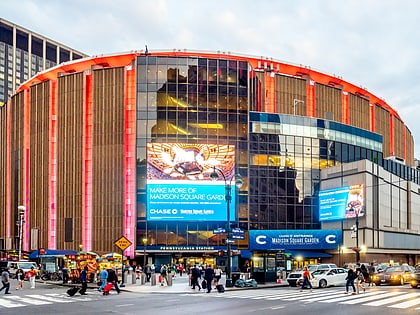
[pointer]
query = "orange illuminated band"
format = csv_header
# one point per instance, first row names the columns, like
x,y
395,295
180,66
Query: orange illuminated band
x,y
130,214
52,168
310,98
345,101
87,165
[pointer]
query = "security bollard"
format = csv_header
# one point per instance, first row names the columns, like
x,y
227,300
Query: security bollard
x,y
133,278
153,279
143,278
169,279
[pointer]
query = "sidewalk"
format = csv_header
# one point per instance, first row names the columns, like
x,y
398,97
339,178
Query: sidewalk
x,y
181,285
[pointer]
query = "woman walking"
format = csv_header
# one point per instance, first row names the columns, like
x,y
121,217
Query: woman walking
x,y
351,275
20,276
306,279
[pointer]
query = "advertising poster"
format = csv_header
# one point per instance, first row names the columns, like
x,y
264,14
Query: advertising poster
x,y
341,203
179,185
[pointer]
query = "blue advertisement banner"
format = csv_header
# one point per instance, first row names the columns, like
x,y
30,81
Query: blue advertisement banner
x,y
187,181
341,203
294,239
188,201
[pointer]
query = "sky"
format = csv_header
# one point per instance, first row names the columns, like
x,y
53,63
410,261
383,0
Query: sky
x,y
370,43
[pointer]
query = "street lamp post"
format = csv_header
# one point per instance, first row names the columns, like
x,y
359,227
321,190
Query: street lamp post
x,y
357,238
144,252
228,198
295,103
22,210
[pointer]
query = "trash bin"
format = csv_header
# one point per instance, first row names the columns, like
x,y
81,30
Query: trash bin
x,y
153,279
235,276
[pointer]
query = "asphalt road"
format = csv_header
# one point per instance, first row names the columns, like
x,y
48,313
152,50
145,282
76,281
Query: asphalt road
x,y
50,299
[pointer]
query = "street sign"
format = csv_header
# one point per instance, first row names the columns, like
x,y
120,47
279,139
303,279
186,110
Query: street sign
x,y
123,243
229,241
219,231
238,237
238,231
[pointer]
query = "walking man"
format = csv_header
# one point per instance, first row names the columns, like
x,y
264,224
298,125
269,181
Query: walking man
x,y
31,275
209,275
113,278
104,278
5,279
83,279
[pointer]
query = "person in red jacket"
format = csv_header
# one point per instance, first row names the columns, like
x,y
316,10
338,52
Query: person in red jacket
x,y
306,279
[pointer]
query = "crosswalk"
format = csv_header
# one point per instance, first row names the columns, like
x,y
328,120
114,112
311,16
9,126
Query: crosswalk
x,y
374,298
16,301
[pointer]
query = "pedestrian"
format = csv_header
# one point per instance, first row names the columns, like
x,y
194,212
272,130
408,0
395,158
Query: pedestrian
x,y
306,279
20,276
31,274
139,270
65,272
83,279
208,276
148,271
180,269
113,278
195,275
164,274
5,279
103,275
371,271
359,279
351,275
217,275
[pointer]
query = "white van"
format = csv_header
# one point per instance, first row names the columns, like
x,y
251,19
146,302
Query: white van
x,y
15,265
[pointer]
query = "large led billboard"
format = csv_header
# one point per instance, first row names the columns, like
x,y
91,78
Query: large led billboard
x,y
341,203
179,185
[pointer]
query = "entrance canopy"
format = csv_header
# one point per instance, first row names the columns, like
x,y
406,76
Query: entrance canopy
x,y
52,253
307,254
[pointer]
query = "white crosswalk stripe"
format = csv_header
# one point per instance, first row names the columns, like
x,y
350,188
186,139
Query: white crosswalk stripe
x,y
15,301
373,298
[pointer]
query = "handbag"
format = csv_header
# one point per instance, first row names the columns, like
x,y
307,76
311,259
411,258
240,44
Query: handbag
x,y
204,284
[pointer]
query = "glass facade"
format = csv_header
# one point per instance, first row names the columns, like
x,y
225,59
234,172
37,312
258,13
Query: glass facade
x,y
198,100
189,100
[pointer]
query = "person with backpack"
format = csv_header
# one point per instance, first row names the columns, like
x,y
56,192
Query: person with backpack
x,y
351,275
164,275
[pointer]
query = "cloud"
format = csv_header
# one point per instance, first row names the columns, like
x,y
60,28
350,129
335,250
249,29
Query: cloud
x,y
368,43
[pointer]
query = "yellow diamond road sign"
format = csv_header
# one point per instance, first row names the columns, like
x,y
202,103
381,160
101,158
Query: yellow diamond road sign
x,y
123,243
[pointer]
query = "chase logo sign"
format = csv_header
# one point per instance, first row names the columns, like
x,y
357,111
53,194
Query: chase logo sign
x,y
294,239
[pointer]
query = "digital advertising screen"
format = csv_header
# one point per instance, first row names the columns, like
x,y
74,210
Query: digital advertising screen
x,y
341,203
179,183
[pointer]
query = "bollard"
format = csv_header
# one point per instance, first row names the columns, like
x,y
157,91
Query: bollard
x,y
169,279
143,278
153,279
133,278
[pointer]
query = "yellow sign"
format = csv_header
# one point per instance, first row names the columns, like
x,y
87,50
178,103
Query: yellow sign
x,y
123,243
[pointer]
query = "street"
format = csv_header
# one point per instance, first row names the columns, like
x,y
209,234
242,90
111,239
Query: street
x,y
52,299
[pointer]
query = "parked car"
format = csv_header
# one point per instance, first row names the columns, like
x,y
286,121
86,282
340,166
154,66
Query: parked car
x,y
295,278
15,265
415,277
394,275
330,277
